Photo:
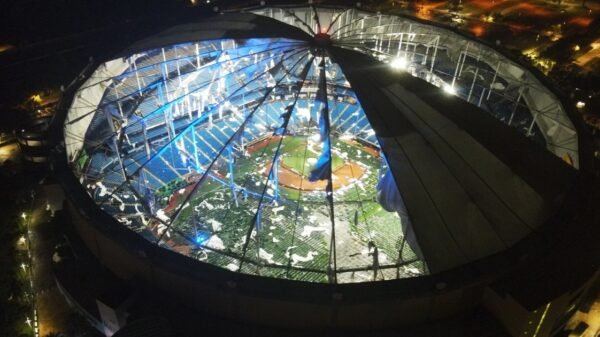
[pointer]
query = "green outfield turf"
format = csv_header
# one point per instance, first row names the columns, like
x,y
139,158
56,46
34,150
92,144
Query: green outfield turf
x,y
280,238
301,160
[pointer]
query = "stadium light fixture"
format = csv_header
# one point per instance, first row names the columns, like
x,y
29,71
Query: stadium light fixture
x,y
399,63
449,89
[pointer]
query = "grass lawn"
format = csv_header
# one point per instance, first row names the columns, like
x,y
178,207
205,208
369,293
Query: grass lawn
x,y
301,160
280,236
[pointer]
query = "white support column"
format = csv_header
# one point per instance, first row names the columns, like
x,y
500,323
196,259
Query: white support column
x,y
389,46
167,125
349,23
456,68
437,42
185,103
307,20
481,97
177,65
201,108
464,59
474,77
380,48
362,27
195,145
339,25
400,44
473,84
493,81
414,49
231,177
137,77
408,39
164,66
197,56
146,143
516,106
114,137
166,112
119,107
275,181
535,115
459,64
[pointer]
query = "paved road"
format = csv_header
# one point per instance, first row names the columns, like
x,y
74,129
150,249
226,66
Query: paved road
x,y
590,55
51,306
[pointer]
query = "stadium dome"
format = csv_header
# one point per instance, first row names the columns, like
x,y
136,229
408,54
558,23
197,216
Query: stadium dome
x,y
321,145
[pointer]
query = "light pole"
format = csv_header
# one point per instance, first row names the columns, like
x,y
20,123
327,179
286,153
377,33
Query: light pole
x,y
29,266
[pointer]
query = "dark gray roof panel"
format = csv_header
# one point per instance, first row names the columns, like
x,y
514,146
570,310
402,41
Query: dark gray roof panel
x,y
467,200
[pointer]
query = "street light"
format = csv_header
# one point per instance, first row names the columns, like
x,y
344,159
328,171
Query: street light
x,y
23,215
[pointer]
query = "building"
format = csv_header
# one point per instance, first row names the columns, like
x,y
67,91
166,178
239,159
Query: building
x,y
332,168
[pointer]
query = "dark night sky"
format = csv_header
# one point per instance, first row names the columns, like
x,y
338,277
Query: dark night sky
x,y
23,21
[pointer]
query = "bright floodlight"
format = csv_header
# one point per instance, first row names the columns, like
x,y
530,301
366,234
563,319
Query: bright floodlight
x,y
399,63
449,89
580,105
